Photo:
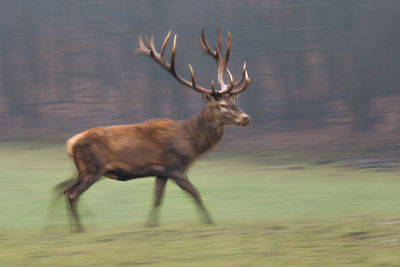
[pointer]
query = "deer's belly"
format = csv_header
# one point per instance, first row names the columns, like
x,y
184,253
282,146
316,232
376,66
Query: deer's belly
x,y
124,173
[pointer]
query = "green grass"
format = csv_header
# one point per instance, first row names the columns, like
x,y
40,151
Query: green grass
x,y
268,211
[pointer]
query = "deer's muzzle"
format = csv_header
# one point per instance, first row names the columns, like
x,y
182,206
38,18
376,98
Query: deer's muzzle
x,y
243,120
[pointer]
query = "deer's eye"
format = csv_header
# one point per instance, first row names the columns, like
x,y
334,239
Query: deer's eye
x,y
223,105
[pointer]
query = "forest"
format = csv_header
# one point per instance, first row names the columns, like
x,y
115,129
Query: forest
x,y
323,72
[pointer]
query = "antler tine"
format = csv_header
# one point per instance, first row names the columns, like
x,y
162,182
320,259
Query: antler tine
x,y
152,48
243,75
231,83
146,39
246,83
228,47
164,44
192,75
214,92
142,48
204,44
219,40
173,55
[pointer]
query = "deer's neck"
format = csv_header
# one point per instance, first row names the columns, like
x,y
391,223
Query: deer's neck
x,y
203,130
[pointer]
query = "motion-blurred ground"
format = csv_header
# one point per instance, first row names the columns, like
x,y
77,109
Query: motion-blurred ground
x,y
274,209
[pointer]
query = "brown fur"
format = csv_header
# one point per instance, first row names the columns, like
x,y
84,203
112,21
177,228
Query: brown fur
x,y
161,147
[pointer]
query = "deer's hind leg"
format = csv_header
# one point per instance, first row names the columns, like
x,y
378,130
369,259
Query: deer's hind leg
x,y
61,188
58,192
90,170
73,194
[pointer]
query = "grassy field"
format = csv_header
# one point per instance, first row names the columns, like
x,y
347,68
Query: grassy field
x,y
269,211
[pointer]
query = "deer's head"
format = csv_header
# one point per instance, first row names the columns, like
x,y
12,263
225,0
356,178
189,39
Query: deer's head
x,y
221,102
225,109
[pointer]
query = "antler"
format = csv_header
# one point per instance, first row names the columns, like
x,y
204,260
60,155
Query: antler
x,y
148,48
222,62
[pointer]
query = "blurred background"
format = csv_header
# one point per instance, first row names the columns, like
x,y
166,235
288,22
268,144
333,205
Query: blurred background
x,y
325,73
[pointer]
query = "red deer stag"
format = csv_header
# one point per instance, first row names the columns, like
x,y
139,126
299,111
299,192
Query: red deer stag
x,y
162,148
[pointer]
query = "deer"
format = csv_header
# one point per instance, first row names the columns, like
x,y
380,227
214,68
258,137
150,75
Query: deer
x,y
160,148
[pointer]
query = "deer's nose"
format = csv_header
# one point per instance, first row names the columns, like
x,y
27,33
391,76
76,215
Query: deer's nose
x,y
244,120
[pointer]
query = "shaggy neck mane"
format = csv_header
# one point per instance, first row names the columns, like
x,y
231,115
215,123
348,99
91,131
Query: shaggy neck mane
x,y
203,130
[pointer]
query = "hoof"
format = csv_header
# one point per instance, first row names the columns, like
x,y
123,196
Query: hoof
x,y
209,221
78,230
151,224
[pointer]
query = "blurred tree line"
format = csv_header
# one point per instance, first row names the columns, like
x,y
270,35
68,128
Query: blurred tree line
x,y
69,65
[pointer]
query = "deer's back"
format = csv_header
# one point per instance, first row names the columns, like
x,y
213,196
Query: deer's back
x,y
156,145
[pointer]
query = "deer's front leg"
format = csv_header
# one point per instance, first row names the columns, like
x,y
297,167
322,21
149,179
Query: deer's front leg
x,y
186,185
158,194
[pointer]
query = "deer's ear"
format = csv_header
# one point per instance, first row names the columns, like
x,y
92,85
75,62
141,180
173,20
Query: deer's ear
x,y
208,98
234,97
